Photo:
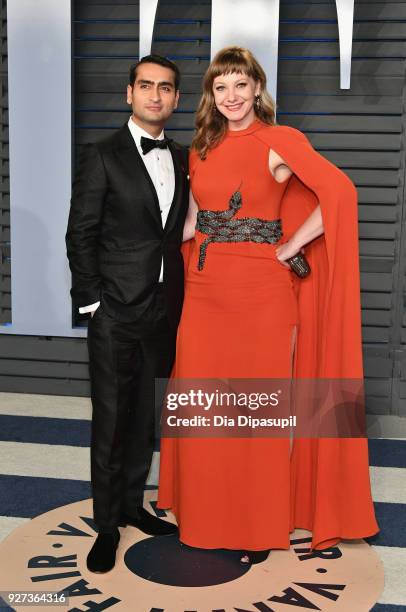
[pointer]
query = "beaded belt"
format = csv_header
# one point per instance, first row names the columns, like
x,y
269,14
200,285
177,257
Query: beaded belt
x,y
221,227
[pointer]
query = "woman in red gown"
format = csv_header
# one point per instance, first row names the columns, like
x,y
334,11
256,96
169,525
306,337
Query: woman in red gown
x,y
246,315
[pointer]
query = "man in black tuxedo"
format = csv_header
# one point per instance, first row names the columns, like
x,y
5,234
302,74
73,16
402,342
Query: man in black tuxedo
x,y
128,208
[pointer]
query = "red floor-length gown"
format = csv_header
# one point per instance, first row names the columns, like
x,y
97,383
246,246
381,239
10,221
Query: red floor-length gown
x,y
247,316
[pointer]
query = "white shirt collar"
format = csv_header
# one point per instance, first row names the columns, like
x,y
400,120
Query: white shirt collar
x,y
137,132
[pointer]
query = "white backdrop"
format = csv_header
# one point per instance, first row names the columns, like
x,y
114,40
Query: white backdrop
x,y
40,132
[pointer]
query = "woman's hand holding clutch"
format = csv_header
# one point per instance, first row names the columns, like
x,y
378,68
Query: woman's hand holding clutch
x,y
293,258
285,250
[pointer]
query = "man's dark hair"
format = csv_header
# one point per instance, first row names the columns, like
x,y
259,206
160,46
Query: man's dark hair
x,y
155,59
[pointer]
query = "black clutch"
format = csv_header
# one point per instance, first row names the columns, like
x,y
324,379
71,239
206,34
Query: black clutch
x,y
299,265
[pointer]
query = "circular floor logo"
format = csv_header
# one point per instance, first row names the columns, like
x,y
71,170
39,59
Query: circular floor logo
x,y
158,574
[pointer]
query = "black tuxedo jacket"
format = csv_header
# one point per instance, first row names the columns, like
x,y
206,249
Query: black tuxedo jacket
x,y
115,239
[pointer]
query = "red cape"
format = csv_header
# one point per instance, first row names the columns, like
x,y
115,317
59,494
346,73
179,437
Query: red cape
x,y
331,492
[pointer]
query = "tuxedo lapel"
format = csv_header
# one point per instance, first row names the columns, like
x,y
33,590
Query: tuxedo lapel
x,y
179,178
133,162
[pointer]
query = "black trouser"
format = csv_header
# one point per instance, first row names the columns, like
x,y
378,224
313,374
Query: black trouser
x,y
124,360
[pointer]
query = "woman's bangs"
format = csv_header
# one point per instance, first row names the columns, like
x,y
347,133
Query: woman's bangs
x,y
234,66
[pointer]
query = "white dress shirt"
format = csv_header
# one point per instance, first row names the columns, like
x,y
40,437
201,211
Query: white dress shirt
x,y
159,164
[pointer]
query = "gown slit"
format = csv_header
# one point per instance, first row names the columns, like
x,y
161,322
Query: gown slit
x,y
292,375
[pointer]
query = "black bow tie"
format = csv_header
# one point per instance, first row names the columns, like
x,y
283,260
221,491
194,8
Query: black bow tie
x,y
147,144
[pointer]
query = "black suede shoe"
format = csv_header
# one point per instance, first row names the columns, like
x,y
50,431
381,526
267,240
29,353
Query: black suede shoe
x,y
102,556
144,521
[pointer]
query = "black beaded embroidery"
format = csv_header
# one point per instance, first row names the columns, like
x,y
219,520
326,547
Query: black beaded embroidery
x,y
221,227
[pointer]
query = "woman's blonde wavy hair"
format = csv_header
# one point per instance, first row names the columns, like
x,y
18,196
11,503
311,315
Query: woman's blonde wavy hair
x,y
211,125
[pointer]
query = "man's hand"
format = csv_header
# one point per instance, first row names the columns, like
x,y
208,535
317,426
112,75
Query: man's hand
x,y
93,311
91,308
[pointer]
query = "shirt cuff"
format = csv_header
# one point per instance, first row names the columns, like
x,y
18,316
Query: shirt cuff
x,y
90,308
